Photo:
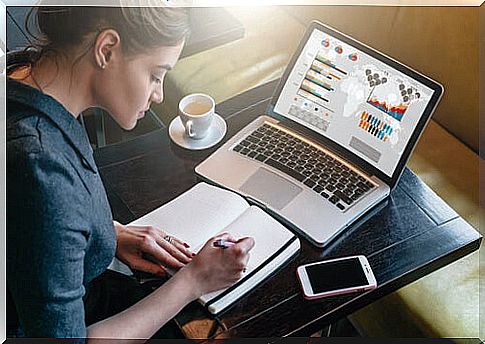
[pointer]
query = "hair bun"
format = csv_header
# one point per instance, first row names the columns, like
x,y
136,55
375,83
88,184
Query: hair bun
x,y
140,28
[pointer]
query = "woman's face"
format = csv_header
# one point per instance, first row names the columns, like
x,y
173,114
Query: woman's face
x,y
127,87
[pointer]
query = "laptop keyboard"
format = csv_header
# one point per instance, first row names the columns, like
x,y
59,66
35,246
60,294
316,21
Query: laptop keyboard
x,y
324,174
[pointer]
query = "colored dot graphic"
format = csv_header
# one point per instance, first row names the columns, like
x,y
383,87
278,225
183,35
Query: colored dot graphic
x,y
353,57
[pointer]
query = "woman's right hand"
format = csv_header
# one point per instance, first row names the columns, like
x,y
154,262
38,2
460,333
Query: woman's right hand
x,y
215,268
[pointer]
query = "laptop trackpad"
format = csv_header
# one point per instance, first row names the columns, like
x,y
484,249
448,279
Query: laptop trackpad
x,y
270,188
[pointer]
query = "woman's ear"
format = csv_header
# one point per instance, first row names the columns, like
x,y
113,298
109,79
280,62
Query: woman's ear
x,y
106,47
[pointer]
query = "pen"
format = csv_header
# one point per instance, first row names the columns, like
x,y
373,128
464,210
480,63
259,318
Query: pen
x,y
223,243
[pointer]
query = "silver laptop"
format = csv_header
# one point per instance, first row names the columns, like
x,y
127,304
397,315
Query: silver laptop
x,y
335,138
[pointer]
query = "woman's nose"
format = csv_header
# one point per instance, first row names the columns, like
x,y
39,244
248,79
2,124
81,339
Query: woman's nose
x,y
157,94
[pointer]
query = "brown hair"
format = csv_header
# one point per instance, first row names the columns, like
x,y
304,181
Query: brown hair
x,y
140,28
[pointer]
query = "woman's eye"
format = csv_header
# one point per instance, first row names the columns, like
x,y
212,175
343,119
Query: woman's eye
x,y
156,79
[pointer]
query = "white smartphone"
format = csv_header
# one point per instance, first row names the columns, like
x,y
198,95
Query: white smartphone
x,y
336,276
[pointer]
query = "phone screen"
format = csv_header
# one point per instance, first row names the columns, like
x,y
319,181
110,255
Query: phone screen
x,y
336,275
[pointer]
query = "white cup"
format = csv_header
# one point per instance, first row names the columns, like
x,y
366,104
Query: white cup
x,y
196,112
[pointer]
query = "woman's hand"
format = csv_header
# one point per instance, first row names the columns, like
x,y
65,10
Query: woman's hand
x,y
215,268
137,243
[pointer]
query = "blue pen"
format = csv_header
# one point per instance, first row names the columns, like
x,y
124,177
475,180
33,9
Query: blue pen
x,y
223,243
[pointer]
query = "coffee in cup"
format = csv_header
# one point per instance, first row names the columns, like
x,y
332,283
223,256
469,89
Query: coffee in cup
x,y
196,112
197,108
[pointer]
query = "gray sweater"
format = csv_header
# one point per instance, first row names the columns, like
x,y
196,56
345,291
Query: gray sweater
x,y
60,232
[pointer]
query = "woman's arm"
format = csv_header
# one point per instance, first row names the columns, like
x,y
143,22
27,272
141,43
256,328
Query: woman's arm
x,y
212,269
144,318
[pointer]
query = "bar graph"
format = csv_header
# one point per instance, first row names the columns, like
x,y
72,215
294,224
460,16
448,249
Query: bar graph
x,y
329,63
375,126
321,80
323,69
318,79
314,89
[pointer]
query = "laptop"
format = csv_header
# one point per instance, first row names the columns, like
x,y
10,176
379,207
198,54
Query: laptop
x,y
335,137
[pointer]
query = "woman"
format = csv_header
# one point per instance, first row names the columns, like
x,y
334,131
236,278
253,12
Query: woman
x,y
60,233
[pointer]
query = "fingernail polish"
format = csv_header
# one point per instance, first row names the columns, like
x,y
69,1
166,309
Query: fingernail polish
x,y
194,254
186,245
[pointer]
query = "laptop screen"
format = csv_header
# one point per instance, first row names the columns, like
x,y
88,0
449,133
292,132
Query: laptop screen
x,y
354,99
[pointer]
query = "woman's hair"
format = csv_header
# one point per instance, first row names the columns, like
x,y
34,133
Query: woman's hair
x,y
140,28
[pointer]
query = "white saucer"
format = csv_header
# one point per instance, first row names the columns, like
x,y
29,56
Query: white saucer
x,y
217,131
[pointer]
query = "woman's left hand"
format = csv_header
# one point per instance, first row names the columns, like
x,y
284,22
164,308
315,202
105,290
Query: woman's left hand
x,y
135,242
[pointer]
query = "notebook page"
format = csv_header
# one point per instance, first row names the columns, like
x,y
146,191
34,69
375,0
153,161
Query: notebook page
x,y
269,236
197,214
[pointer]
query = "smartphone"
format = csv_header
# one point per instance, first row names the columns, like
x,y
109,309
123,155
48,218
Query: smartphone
x,y
336,276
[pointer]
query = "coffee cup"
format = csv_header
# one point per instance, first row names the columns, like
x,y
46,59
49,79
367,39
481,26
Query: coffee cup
x,y
196,112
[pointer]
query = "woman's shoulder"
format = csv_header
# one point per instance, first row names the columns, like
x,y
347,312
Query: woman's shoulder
x,y
38,122
26,130
33,142
22,134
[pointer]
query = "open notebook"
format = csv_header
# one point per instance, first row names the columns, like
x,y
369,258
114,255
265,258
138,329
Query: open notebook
x,y
204,211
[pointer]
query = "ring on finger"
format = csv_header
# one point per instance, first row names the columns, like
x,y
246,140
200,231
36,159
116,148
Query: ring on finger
x,y
168,238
